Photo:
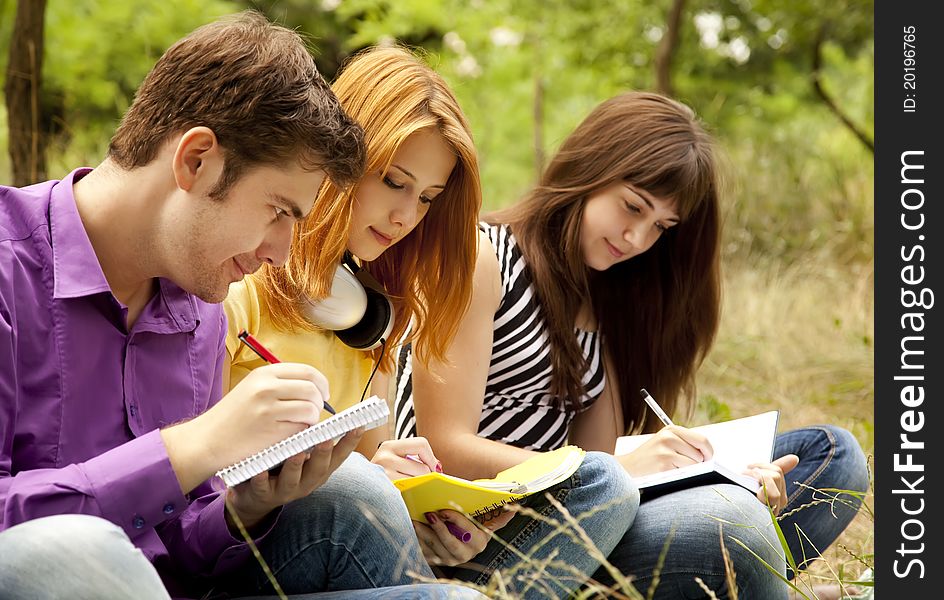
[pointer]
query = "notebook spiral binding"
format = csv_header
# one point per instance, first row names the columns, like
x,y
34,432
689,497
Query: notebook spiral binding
x,y
368,414
489,512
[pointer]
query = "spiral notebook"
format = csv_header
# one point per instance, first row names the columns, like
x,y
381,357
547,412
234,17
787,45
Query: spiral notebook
x,y
482,498
370,413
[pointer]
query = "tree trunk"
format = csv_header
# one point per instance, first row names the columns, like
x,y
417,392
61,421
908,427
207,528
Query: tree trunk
x,y
22,89
815,79
667,47
539,124
537,35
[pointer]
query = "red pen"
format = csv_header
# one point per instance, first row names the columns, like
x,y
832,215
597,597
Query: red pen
x,y
254,345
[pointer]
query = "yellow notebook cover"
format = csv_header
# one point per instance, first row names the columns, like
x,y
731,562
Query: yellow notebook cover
x,y
436,491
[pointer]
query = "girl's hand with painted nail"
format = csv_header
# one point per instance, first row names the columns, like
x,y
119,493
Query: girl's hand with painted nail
x,y
406,458
448,538
442,536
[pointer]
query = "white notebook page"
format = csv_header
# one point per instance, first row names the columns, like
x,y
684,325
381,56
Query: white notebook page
x,y
736,443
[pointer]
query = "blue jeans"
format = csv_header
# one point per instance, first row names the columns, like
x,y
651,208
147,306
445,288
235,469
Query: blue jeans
x,y
830,458
600,495
323,547
74,556
352,533
692,524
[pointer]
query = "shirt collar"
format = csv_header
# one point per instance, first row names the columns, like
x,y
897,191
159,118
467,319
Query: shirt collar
x,y
170,310
77,272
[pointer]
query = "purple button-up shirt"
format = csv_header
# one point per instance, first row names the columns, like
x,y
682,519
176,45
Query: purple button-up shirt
x,y
82,398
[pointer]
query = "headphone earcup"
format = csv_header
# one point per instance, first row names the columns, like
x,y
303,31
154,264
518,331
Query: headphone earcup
x,y
376,324
345,305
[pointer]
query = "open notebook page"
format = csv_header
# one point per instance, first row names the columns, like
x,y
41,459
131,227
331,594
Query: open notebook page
x,y
737,443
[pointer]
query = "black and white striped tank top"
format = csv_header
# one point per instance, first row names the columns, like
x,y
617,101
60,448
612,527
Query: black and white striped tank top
x,y
518,408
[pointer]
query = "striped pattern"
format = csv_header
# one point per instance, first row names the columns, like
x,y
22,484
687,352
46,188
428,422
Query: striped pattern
x,y
517,409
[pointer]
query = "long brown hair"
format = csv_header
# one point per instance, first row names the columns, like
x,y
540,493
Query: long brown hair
x,y
658,312
427,275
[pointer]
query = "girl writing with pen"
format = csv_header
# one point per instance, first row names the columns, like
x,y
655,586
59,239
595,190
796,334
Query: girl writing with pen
x,y
411,224
602,280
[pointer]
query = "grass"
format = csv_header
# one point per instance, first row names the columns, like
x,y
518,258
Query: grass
x,y
799,339
530,575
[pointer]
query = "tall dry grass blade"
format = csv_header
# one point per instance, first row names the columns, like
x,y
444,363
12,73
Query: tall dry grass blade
x,y
657,570
597,591
252,547
783,542
768,566
705,588
730,577
538,570
571,527
866,560
832,498
403,559
744,525
527,561
836,577
496,586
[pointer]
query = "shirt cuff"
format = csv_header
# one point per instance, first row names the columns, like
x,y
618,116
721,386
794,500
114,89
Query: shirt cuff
x,y
135,484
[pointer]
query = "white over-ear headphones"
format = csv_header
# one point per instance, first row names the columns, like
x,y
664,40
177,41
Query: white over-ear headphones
x,y
357,310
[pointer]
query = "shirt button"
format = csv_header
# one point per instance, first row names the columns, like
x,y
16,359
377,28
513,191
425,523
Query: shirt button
x,y
133,410
138,522
168,509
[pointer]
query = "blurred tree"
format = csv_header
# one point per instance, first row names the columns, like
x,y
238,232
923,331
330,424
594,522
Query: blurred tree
x,y
666,51
319,22
822,94
527,71
91,81
24,77
757,51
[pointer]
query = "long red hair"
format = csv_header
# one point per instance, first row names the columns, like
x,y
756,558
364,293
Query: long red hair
x,y
393,94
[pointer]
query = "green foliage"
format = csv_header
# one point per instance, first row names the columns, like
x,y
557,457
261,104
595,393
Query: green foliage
x,y
713,410
495,52
799,180
97,52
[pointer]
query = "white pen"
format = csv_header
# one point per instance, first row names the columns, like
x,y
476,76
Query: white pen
x,y
655,407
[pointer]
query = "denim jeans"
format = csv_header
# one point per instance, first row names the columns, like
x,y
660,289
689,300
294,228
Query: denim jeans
x,y
352,533
600,495
74,556
830,458
352,538
690,525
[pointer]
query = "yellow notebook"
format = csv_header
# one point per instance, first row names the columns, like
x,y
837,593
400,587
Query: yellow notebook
x,y
479,498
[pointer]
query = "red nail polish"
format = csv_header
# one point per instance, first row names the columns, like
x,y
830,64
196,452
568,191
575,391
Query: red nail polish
x,y
439,466
431,518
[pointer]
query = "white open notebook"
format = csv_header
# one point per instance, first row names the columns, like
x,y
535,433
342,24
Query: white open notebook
x,y
370,413
737,443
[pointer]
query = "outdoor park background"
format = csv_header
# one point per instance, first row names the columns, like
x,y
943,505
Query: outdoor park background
x,y
785,87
